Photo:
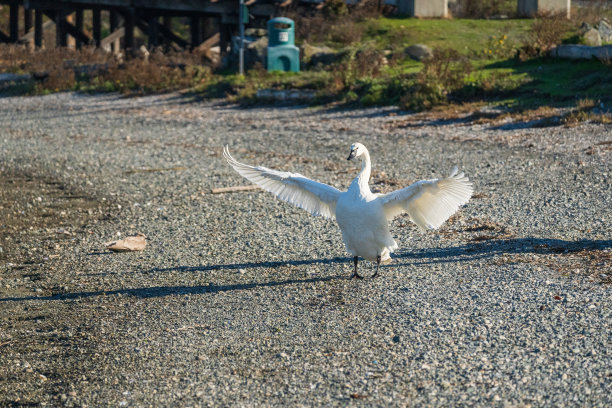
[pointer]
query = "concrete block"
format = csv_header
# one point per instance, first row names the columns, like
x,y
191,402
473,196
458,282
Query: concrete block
x,y
423,8
530,8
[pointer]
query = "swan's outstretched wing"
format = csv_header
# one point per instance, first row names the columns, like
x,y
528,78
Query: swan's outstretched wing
x,y
429,202
314,197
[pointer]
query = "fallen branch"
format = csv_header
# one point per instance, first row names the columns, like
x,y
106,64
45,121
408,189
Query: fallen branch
x,y
234,189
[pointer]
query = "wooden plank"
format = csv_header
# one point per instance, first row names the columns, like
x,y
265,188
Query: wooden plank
x,y
97,26
27,20
169,36
70,40
39,27
209,43
196,31
76,33
62,4
14,22
235,189
165,28
112,37
153,31
175,7
29,36
79,27
60,35
114,25
129,18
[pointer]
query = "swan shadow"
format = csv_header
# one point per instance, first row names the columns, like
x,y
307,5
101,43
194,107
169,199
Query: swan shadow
x,y
163,291
494,247
460,253
251,265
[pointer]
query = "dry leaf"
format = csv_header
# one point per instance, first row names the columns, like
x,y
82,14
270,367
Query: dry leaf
x,y
133,243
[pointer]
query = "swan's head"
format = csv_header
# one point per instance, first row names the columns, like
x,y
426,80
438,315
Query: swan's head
x,y
357,149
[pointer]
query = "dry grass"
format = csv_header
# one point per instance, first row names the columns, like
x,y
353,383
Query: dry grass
x,y
90,69
547,31
338,22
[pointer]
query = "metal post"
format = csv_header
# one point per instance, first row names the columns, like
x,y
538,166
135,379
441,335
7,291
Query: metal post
x,y
129,21
97,26
241,28
14,21
114,24
38,28
167,23
60,31
79,26
196,31
153,32
27,20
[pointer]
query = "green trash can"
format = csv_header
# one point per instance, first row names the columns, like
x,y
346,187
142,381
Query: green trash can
x,y
283,55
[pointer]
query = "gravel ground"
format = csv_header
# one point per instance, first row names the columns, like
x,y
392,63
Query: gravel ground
x,y
243,300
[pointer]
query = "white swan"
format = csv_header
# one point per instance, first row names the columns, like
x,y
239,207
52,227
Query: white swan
x,y
363,216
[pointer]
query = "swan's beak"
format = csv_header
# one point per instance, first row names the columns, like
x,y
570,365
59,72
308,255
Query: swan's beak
x,y
352,155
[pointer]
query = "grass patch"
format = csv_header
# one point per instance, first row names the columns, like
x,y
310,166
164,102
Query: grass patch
x,y
468,37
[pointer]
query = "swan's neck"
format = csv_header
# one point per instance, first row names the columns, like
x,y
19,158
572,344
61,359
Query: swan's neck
x,y
363,177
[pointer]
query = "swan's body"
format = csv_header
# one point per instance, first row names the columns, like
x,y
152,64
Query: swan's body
x,y
364,216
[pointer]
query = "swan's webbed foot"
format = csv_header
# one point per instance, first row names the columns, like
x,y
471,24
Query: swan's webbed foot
x,y
355,274
377,267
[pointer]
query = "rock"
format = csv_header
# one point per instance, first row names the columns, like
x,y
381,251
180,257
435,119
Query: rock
x,y
602,53
144,52
14,78
255,32
134,243
313,56
585,27
286,95
419,52
40,76
605,30
256,51
592,37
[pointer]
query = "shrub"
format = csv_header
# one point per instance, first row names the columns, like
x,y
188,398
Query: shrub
x,y
546,32
91,69
339,22
441,75
500,47
367,62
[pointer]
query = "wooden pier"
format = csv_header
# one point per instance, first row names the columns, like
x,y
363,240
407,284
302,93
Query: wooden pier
x,y
152,17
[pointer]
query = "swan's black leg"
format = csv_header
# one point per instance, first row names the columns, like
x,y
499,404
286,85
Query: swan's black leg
x,y
355,274
377,266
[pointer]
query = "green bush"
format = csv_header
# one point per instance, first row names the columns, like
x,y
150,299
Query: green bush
x,y
441,75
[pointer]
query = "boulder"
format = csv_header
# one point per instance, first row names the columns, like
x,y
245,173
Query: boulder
x,y
419,52
313,56
255,32
572,51
584,27
255,50
592,37
286,95
14,78
605,30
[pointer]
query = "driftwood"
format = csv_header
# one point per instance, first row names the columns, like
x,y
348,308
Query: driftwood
x,y
235,189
